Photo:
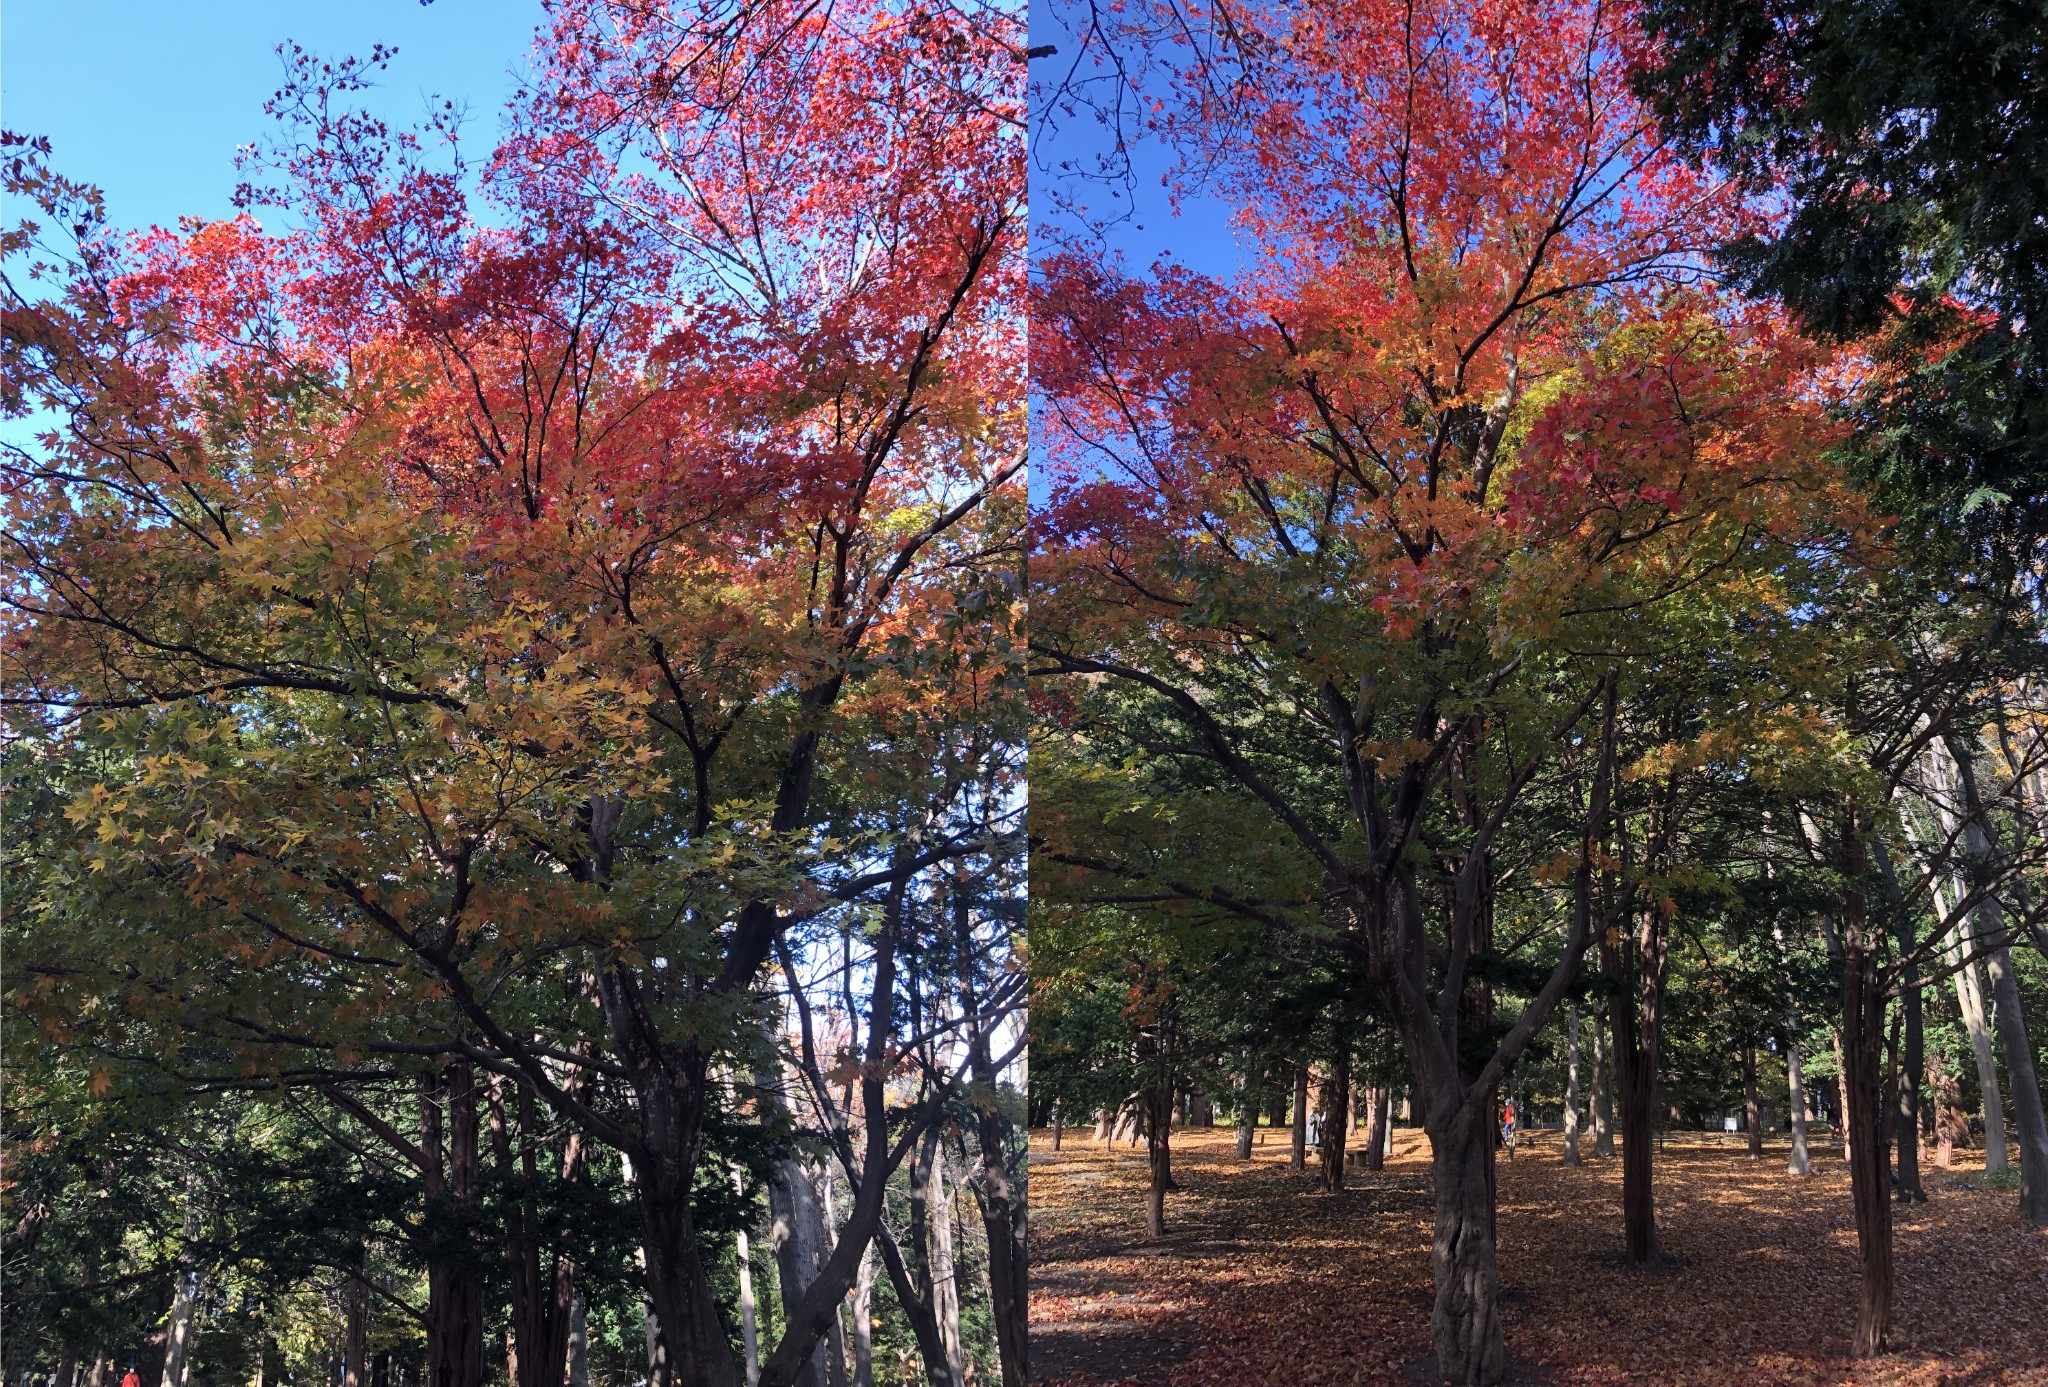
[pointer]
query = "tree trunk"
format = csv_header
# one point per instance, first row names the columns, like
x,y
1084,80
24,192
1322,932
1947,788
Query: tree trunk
x,y
1247,1114
750,1326
1603,1087
945,1282
1379,1109
2029,1121
1336,1118
796,1233
864,1321
1058,1121
178,1329
356,1335
1297,1157
1158,1136
1752,1123
579,1343
1636,1011
1571,1087
1465,1320
1795,1094
1862,1040
455,1295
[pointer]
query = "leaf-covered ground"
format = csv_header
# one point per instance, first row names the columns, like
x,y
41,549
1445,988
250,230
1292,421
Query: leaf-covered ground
x,y
1263,1280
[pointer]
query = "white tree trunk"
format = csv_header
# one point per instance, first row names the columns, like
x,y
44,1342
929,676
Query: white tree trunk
x,y
1571,1087
945,1286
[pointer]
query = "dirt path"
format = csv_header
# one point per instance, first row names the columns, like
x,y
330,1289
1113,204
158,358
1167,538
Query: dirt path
x,y
1262,1280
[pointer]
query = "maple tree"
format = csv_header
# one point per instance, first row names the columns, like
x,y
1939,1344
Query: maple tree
x,y
493,613
1372,532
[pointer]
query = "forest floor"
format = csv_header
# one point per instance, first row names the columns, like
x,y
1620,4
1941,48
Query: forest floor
x,y
1261,1279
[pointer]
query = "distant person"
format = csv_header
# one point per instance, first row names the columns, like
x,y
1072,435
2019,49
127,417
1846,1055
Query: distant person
x,y
129,1379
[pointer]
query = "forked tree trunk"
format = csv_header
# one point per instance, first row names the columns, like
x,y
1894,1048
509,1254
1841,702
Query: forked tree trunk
x,y
1571,1087
1465,1319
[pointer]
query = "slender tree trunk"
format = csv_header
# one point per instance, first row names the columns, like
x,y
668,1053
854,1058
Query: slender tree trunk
x,y
1571,1087
1465,1320
1158,1138
1795,1094
356,1336
750,1329
2029,1120
1379,1101
1247,1114
1637,1013
1752,1115
1862,1040
1603,1086
864,1321
1842,1100
1336,1117
1058,1121
1297,1157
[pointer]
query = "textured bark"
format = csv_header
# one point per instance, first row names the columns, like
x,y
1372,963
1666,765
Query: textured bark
x,y
178,1328
1571,1087
797,1236
750,1322
1637,1014
1465,1319
1862,1040
450,1175
579,1343
1336,1118
945,1275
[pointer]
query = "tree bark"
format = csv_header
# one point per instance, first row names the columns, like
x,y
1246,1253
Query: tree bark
x,y
1297,1157
1571,1087
455,1295
864,1321
1336,1118
797,1236
178,1328
1247,1114
1465,1319
1863,1009
1603,1087
2029,1120
1380,1103
1800,1162
356,1334
1752,1115
579,1343
945,1281
1158,1139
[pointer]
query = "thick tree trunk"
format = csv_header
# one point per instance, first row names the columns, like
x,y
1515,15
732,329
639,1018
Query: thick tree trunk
x,y
1571,1087
455,1294
1336,1118
945,1282
1603,1087
1465,1320
1158,1140
1297,1157
1752,1115
1637,1016
178,1328
579,1343
797,1235
1863,1006
693,1346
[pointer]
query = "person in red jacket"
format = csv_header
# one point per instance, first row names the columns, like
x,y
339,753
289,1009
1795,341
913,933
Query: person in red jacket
x,y
129,1379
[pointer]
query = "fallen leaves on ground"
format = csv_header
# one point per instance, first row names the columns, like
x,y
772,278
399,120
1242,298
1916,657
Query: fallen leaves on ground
x,y
1261,1279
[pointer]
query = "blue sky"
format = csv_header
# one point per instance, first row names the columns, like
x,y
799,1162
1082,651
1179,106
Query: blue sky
x,y
150,98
